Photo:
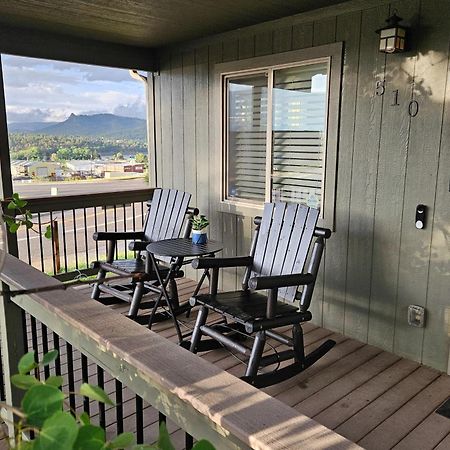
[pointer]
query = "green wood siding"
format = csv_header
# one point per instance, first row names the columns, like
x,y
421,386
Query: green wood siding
x,y
377,262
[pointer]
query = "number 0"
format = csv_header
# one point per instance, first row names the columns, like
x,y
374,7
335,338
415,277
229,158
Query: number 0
x,y
413,108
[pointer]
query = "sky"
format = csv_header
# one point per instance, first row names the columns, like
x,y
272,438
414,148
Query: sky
x,y
39,90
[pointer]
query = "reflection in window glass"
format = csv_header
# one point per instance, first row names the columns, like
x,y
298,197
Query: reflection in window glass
x,y
246,137
298,133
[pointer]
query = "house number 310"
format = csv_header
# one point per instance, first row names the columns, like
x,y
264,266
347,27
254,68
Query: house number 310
x,y
413,105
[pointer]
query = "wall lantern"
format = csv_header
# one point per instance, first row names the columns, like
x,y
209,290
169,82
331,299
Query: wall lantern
x,y
393,36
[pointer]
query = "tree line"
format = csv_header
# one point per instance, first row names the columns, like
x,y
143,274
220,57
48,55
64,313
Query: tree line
x,y
40,147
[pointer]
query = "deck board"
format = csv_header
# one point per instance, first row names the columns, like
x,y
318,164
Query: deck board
x,y
370,396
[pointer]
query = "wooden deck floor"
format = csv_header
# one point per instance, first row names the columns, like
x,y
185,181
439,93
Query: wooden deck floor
x,y
370,396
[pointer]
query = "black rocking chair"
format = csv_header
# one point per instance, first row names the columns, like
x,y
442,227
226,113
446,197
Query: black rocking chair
x,y
164,220
278,254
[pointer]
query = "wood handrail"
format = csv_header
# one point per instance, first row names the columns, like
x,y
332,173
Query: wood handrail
x,y
69,202
201,398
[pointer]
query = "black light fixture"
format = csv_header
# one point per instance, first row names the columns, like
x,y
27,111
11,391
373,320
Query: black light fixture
x,y
393,36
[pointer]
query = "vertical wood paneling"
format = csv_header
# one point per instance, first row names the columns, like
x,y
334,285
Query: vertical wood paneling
x,y
190,157
302,35
348,30
376,263
263,43
166,123
390,188
282,40
364,179
158,129
435,344
324,32
178,133
202,130
425,131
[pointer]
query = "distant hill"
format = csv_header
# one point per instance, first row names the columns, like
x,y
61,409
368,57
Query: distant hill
x,y
108,126
24,127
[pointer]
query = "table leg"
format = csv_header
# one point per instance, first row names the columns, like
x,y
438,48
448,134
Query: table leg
x,y
163,284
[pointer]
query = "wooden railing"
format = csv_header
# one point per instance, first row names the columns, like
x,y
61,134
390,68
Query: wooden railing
x,y
197,396
75,218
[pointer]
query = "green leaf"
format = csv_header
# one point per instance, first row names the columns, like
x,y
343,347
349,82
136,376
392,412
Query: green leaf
x,y
27,363
15,196
48,232
203,445
145,447
164,438
24,381
90,437
95,393
28,224
55,380
123,440
85,419
59,431
13,227
40,402
8,219
48,358
12,205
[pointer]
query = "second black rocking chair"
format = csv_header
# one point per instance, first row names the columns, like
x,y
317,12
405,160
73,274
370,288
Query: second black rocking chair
x,y
277,258
168,211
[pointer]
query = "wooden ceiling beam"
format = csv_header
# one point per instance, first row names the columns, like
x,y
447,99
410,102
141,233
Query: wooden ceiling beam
x,y
48,45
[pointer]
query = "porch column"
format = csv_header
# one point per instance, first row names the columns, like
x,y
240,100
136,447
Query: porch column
x,y
11,316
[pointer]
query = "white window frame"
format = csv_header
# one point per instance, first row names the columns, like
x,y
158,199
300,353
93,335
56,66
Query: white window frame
x,y
332,54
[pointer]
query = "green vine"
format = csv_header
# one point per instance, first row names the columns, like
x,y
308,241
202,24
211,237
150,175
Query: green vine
x,y
22,217
43,412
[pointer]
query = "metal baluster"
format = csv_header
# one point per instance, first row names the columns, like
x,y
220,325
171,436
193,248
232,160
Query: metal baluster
x,y
96,229
85,378
139,420
75,238
41,247
34,341
25,331
70,376
125,227
29,247
119,407
54,256
101,406
133,208
64,240
86,244
189,441
57,346
45,348
115,229
142,214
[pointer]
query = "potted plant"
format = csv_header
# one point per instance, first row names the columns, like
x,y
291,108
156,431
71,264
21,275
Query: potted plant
x,y
199,232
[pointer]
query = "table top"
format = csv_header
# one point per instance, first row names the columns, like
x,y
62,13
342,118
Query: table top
x,y
181,247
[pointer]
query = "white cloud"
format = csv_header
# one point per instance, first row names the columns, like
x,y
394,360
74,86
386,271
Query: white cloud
x,y
50,90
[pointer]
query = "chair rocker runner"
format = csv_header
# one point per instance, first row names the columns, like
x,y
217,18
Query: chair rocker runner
x,y
164,220
277,258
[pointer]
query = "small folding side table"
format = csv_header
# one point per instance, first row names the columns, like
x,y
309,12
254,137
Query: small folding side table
x,y
178,250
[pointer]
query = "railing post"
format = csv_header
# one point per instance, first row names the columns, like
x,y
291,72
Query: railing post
x,y
12,349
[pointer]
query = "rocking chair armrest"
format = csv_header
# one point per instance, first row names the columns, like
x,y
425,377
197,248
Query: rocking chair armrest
x,y
279,281
212,263
138,245
117,235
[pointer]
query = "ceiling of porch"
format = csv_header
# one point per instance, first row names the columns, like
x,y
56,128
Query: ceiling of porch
x,y
146,23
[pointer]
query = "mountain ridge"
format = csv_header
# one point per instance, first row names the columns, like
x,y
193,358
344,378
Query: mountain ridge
x,y
110,126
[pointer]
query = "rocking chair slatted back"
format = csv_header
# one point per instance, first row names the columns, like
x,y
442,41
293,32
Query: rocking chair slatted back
x,y
283,242
166,215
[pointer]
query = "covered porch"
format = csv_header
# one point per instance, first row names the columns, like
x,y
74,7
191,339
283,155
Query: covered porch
x,y
388,153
